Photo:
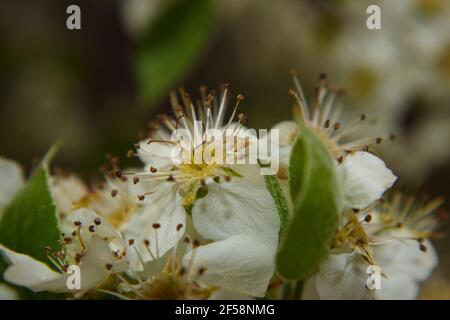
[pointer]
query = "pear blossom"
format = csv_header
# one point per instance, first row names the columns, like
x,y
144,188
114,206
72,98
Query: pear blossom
x,y
363,176
227,203
393,235
89,242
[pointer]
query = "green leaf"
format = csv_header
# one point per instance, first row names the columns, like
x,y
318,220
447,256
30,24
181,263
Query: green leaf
x,y
313,188
29,222
167,50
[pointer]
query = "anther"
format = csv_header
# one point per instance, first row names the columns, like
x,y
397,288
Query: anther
x,y
130,242
195,243
340,159
114,193
153,170
146,242
108,266
135,180
118,174
92,228
363,117
368,218
201,271
141,197
77,223
179,226
423,247
130,153
337,125
326,125
156,226
378,140
97,221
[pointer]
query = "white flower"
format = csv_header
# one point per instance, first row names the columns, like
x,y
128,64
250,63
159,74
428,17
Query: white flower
x,y
227,202
11,181
392,236
363,176
89,242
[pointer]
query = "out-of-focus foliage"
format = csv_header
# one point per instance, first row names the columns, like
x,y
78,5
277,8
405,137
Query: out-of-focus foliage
x,y
167,49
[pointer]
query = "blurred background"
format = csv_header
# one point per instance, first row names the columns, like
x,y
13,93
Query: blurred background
x,y
97,87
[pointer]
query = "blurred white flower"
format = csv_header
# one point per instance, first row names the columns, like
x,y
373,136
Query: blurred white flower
x,y
89,242
11,181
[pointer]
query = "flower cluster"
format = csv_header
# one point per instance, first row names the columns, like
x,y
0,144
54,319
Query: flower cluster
x,y
208,229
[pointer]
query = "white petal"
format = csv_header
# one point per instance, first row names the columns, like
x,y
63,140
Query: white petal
x,y
405,266
342,277
156,154
67,191
288,131
237,263
7,293
25,271
11,180
364,179
165,208
240,206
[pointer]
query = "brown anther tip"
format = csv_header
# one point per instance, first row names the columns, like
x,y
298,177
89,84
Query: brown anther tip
x,y
179,226
135,180
203,182
186,240
355,210
182,271
195,243
114,193
146,242
156,226
399,225
291,92
130,242
337,125
77,223
67,240
170,178
340,159
326,124
91,228
240,97
360,241
108,266
363,117
97,221
227,178
153,170
368,218
322,76
141,197
201,271
423,247
74,233
378,140
118,174
130,153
